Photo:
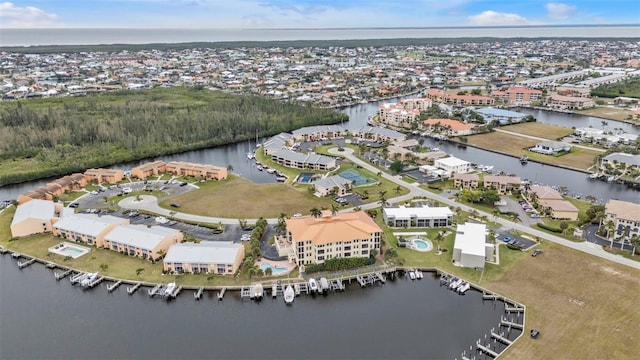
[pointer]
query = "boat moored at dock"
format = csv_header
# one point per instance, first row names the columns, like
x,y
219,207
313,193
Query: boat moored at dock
x,y
289,295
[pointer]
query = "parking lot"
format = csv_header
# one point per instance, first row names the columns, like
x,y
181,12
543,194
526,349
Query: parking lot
x,y
96,199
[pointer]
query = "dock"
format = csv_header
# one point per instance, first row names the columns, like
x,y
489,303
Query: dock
x,y
501,338
3,250
131,290
95,282
506,323
296,289
245,292
175,293
154,290
221,294
274,290
62,275
15,255
51,266
486,296
114,286
336,285
304,287
77,277
198,294
512,309
487,350
22,265
380,277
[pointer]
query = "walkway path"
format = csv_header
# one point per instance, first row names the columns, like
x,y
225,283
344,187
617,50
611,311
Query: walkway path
x,y
543,139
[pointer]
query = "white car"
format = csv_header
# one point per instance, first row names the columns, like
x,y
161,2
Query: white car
x,y
127,190
161,220
245,237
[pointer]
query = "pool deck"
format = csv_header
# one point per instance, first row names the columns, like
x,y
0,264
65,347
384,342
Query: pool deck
x,y
280,264
56,249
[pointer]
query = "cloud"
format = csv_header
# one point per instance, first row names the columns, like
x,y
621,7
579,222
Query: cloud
x,y
12,16
559,11
494,18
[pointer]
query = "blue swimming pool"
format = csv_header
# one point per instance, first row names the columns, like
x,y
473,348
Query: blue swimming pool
x,y
274,269
422,245
305,177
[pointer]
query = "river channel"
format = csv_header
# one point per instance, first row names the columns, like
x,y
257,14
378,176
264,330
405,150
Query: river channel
x,y
576,182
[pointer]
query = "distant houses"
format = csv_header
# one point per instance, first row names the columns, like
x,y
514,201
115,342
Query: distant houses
x,y
179,168
549,147
438,95
502,116
54,188
448,127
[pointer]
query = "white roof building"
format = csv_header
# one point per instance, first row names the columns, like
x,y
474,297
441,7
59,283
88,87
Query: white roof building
x,y
470,247
87,224
204,257
453,165
33,217
142,241
423,216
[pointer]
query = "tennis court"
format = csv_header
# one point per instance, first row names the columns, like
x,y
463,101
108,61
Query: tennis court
x,y
356,177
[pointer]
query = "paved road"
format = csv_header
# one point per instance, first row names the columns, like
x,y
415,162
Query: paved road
x,y
543,139
150,203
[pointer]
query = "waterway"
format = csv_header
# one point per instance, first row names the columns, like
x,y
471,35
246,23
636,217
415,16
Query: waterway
x,y
576,181
46,319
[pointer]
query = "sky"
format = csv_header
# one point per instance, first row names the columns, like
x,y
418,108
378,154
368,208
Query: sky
x,y
236,14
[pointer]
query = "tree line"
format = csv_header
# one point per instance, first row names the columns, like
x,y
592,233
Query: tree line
x,y
69,134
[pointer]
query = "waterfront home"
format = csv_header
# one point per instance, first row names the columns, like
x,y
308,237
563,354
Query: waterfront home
x,y
503,184
447,127
332,185
551,202
87,228
421,216
625,217
206,257
438,95
518,96
378,133
453,165
490,114
54,188
398,153
318,132
588,133
104,175
205,171
556,101
154,168
299,160
277,143
549,147
395,114
428,157
316,239
466,181
535,193
34,217
147,242
470,248
619,161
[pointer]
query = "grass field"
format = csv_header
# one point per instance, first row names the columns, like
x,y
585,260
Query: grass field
x,y
607,113
240,198
505,143
546,131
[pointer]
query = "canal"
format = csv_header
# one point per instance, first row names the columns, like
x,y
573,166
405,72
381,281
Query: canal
x,y
45,319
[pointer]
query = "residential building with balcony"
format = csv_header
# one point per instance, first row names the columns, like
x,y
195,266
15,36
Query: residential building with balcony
x,y
422,216
87,228
142,241
206,257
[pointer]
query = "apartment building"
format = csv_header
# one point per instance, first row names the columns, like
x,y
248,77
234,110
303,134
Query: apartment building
x,y
34,217
299,160
154,168
207,257
205,171
448,127
422,216
87,228
466,181
518,95
142,241
438,95
502,184
316,239
453,165
625,217
557,101
111,176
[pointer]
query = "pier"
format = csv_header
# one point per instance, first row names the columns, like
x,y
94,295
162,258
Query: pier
x,y
487,350
336,285
51,266
95,282
198,294
3,250
507,308
500,338
131,290
154,290
77,278
245,293
114,286
221,294
62,275
22,265
506,323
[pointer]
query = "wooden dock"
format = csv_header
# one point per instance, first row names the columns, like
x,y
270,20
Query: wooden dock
x,y
62,275
131,290
3,250
501,338
221,294
245,293
336,285
22,265
77,277
198,294
95,282
512,309
51,266
506,323
114,286
296,289
380,277
487,350
154,290
15,255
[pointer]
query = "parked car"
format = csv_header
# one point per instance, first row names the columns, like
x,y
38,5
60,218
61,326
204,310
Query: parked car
x,y
507,239
74,205
536,252
175,205
183,184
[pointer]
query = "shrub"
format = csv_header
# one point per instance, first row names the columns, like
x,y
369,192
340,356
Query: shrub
x,y
340,264
549,228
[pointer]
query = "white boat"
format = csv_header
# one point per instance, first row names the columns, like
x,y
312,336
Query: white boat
x,y
419,274
281,179
313,285
485,168
270,170
260,168
324,284
455,283
87,280
594,176
289,294
463,288
611,178
257,292
250,156
412,275
168,291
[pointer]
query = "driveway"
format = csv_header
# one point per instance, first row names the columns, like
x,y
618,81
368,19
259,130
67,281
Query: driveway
x,y
514,206
591,236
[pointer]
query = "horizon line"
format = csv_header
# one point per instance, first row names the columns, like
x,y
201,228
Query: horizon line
x,y
343,28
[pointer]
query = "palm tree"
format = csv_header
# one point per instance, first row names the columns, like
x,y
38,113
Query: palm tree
x,y
398,189
229,168
315,212
439,238
383,197
495,213
515,218
334,209
139,271
610,226
635,241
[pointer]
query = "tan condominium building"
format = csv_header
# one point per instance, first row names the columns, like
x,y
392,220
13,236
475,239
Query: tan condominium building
x,y
205,171
87,228
104,175
625,217
153,168
316,239
503,184
142,241
54,188
206,257
518,95
34,217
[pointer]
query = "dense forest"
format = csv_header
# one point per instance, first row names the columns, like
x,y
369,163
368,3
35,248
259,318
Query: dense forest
x,y
44,49
629,88
49,137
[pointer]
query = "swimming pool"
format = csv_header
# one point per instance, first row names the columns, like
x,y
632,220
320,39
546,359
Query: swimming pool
x,y
274,270
421,244
305,177
69,249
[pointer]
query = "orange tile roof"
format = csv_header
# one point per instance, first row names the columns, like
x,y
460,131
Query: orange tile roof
x,y
330,229
453,124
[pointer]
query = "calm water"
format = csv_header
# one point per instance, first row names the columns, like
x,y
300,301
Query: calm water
x,y
45,319
29,37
